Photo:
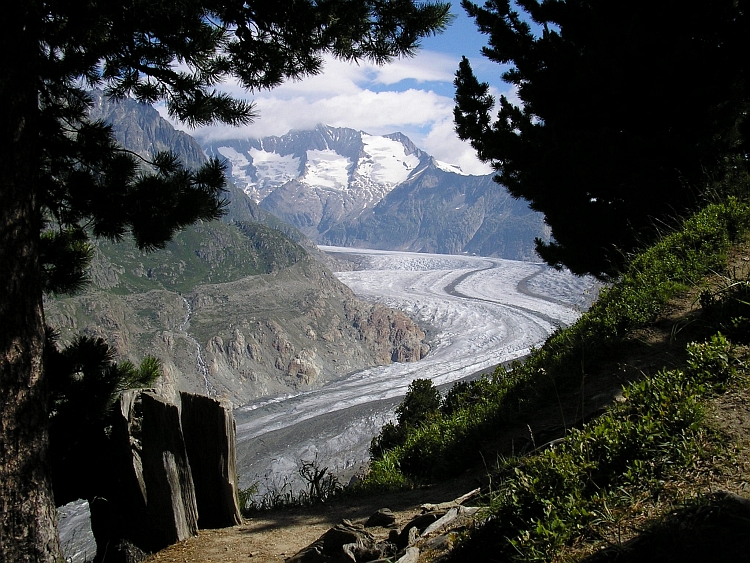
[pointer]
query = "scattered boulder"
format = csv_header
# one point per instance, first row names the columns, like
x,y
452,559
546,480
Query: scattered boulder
x,y
383,517
345,543
433,533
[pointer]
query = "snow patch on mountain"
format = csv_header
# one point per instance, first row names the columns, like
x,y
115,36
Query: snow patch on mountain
x,y
235,158
239,164
327,169
274,167
444,166
386,161
347,187
365,167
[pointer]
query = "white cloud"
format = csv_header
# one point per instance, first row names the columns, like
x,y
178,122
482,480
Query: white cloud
x,y
364,97
443,143
427,67
373,112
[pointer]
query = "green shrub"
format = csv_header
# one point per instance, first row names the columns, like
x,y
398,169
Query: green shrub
x,y
727,309
713,361
384,475
542,502
421,402
465,394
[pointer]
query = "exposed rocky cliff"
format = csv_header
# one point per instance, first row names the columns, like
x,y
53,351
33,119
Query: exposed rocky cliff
x,y
440,212
295,328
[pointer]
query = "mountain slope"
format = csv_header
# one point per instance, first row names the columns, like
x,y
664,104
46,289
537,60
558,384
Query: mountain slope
x,y
693,508
431,212
345,187
240,308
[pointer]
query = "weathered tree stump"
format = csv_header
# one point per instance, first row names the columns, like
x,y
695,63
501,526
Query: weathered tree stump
x,y
171,506
209,431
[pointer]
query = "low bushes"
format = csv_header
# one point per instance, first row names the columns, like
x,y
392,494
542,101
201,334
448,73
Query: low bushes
x,y
541,502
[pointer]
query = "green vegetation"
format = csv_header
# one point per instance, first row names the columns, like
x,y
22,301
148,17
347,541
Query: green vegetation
x,y
201,254
545,500
85,384
448,443
541,502
320,485
60,168
421,402
616,166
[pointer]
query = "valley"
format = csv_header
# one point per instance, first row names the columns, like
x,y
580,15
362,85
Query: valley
x,y
478,312
249,311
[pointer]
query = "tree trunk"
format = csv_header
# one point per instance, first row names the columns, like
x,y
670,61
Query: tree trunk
x,y
28,530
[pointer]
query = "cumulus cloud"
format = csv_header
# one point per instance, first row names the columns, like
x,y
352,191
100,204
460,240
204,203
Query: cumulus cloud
x,y
443,143
373,112
427,67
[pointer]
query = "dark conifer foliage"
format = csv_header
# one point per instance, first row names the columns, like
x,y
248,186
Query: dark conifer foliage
x,y
64,178
421,400
85,383
629,110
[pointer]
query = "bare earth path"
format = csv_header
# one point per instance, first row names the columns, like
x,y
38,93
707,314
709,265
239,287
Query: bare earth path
x,y
272,536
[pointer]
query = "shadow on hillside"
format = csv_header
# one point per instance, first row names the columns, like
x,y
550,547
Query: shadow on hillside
x,y
717,530
359,508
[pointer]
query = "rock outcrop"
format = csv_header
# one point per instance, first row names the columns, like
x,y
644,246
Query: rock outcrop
x,y
209,432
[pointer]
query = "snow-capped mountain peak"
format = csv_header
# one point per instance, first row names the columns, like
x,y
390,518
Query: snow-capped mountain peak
x,y
346,187
326,169
449,167
325,158
386,160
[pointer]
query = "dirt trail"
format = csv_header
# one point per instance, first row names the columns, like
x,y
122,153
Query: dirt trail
x,y
272,536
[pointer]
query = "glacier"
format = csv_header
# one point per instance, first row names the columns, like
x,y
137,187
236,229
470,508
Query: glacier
x,y
479,312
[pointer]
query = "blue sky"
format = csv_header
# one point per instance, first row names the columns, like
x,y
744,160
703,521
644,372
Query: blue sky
x,y
413,96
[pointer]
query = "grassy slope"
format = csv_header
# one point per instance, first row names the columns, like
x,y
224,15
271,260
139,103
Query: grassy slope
x,y
200,254
570,494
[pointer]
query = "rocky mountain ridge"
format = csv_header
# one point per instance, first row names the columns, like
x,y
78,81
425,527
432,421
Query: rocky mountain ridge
x,y
233,309
345,187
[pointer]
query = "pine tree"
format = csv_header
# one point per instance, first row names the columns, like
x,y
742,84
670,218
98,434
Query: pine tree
x,y
63,178
628,110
